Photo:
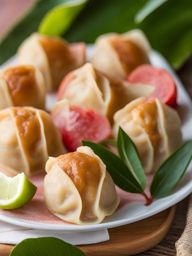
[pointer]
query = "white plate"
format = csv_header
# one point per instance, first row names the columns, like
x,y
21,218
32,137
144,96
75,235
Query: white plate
x,y
134,211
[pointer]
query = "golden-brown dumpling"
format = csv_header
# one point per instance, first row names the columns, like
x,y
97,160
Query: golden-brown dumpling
x,y
28,138
88,88
78,189
154,127
22,86
53,56
118,54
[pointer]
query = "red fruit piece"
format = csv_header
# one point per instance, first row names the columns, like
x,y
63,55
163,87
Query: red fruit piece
x,y
77,124
164,85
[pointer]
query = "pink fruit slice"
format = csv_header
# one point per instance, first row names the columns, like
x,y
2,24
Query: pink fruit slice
x,y
77,124
164,84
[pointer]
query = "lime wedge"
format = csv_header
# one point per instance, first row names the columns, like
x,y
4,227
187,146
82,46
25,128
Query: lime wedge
x,y
15,191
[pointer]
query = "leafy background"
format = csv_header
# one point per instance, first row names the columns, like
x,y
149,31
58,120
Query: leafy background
x,y
167,24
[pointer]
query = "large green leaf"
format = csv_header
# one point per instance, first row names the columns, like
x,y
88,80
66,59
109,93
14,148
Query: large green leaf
x,y
45,246
58,19
101,16
171,171
129,154
29,24
119,172
168,27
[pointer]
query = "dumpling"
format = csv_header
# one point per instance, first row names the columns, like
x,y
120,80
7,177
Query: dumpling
x,y
22,86
78,189
28,138
53,56
88,88
154,127
76,124
118,54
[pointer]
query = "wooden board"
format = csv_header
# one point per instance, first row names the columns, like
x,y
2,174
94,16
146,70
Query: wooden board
x,y
127,240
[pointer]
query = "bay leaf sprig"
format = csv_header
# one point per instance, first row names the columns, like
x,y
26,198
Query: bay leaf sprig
x,y
128,173
128,153
171,171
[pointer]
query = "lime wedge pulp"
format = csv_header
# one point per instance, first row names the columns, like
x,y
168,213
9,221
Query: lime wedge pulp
x,y
15,191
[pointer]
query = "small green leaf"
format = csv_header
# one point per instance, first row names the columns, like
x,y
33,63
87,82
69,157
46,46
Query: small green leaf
x,y
147,9
45,246
171,171
119,172
129,154
58,19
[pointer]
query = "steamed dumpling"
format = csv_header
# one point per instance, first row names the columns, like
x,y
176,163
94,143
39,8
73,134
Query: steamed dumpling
x,y
154,127
28,138
22,86
78,189
53,56
118,54
88,88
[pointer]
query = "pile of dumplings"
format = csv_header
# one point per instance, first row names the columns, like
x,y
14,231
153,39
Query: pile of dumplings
x,y
92,99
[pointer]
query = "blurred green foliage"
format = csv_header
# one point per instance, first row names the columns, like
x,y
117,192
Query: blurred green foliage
x,y
167,24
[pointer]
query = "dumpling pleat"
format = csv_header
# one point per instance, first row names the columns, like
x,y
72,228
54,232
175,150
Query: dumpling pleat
x,y
5,98
30,140
170,124
64,200
21,154
52,144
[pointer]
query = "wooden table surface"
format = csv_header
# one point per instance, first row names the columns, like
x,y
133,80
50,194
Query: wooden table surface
x,y
10,11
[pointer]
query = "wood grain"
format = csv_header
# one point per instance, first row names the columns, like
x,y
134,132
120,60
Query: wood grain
x,y
127,240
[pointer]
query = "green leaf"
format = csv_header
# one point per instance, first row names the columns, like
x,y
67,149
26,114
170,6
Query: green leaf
x,y
119,172
129,154
27,25
45,246
102,16
171,171
147,9
58,19
168,27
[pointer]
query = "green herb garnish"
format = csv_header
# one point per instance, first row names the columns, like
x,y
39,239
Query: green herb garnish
x,y
127,171
129,155
171,171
